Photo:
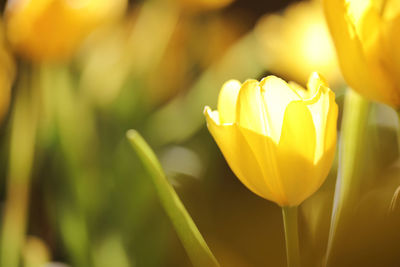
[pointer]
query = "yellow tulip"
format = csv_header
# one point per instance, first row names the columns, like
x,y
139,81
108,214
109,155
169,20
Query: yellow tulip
x,y
366,35
278,138
201,5
44,30
7,73
299,34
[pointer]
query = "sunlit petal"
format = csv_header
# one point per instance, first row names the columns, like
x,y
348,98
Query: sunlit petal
x,y
250,108
276,96
227,101
238,154
296,149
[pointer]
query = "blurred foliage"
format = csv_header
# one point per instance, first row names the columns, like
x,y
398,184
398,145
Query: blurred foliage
x,y
88,200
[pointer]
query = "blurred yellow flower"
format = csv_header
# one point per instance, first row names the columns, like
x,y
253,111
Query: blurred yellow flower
x,y
7,74
366,34
196,5
36,252
188,47
53,29
297,43
278,138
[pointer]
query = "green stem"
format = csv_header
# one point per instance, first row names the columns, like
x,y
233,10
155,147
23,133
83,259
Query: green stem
x,y
396,196
398,131
355,114
78,145
22,148
193,242
291,236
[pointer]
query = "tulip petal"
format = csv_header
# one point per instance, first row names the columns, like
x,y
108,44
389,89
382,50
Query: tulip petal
x,y
314,83
324,161
265,151
296,152
390,9
277,94
348,46
227,101
331,123
238,155
324,113
391,38
321,170
250,112
357,45
323,109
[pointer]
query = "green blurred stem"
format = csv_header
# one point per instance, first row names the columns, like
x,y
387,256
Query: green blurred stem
x,y
22,147
395,198
398,130
78,139
351,143
291,236
193,242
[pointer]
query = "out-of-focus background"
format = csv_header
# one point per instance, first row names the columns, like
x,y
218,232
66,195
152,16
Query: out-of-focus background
x,y
76,75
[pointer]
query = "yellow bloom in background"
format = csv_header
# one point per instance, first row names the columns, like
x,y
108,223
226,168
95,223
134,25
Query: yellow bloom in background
x,y
198,5
53,29
366,34
7,74
278,138
297,43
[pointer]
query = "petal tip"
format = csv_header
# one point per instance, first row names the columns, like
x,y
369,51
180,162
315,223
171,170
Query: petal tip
x,y
271,78
206,110
211,116
232,82
315,80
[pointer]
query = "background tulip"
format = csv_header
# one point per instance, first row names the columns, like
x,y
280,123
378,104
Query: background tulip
x,y
278,138
198,5
300,34
53,29
365,34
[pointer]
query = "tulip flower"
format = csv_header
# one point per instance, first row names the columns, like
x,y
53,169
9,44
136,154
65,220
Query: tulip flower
x,y
298,34
366,36
43,30
201,5
7,74
278,138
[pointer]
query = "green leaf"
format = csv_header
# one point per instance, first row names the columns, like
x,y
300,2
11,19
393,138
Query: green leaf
x,y
192,240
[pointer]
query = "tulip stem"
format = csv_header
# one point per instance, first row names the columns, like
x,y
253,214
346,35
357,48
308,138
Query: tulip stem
x,y
22,150
291,236
354,122
398,131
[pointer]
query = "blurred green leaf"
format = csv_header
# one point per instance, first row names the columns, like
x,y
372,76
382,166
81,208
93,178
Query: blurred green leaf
x,y
192,240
